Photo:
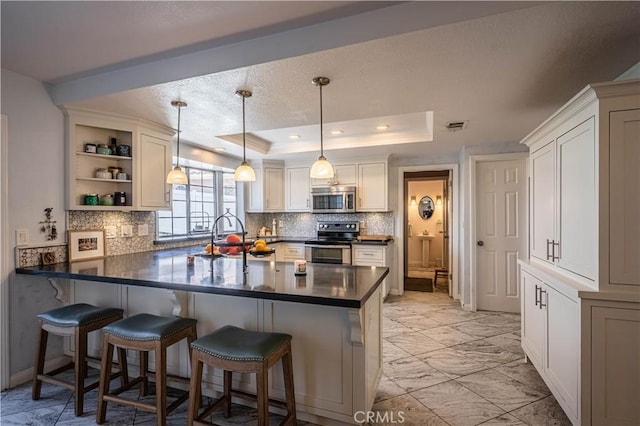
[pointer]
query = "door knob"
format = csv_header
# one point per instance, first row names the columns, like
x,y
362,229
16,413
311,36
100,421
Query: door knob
x,y
480,243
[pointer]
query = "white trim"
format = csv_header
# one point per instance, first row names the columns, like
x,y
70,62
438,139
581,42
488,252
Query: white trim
x,y
25,376
5,254
455,225
473,160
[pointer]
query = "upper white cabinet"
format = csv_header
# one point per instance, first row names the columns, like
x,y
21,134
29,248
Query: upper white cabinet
x,y
143,170
584,198
266,193
372,187
297,189
343,174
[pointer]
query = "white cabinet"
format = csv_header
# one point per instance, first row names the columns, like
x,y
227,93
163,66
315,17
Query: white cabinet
x,y
584,204
154,163
581,284
343,174
288,252
266,193
297,189
551,338
372,187
375,255
146,167
563,201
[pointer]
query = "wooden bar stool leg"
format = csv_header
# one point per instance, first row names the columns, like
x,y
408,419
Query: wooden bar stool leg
x,y
262,389
161,384
287,371
105,374
144,369
194,388
39,365
80,368
124,368
228,380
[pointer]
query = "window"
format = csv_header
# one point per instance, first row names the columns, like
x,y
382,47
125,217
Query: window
x,y
196,205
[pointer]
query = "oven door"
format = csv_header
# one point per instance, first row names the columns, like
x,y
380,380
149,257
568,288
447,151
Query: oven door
x,y
339,254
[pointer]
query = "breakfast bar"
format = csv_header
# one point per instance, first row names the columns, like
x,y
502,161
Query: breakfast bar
x,y
333,313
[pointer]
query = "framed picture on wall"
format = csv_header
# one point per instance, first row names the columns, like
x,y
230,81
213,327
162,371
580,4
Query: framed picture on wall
x,y
85,245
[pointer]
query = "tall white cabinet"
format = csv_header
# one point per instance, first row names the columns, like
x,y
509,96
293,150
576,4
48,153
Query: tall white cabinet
x,y
581,283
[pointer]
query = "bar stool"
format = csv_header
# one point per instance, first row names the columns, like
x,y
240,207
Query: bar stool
x,y
235,349
75,321
143,333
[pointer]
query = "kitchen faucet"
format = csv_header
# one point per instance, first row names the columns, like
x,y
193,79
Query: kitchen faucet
x,y
214,236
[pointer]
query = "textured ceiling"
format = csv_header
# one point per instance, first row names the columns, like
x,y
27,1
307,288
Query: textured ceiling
x,y
503,74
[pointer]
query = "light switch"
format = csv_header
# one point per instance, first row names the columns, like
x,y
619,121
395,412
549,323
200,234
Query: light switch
x,y
143,230
127,230
22,237
110,231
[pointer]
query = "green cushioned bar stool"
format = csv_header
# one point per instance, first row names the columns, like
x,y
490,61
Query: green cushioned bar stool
x,y
143,333
235,349
75,321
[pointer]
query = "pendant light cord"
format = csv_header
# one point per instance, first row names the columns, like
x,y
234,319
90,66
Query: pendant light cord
x,y
178,148
321,126
244,145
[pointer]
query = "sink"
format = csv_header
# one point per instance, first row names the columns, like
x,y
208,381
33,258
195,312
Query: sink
x,y
426,243
426,237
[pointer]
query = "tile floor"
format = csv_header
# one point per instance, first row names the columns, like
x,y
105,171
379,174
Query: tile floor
x,y
442,366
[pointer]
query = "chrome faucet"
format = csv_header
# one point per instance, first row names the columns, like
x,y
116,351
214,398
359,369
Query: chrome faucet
x,y
214,235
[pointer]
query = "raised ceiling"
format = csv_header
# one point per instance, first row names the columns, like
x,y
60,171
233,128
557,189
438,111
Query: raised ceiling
x,y
502,67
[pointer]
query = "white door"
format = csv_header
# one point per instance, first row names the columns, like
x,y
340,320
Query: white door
x,y
500,233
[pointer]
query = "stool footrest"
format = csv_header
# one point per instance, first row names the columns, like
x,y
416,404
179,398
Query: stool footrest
x,y
252,397
55,381
131,403
60,369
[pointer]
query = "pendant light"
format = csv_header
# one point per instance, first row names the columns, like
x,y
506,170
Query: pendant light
x,y
321,169
177,176
244,172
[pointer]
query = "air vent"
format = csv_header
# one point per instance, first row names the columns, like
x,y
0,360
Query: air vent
x,y
454,126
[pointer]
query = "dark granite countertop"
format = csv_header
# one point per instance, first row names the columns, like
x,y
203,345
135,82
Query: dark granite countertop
x,y
332,285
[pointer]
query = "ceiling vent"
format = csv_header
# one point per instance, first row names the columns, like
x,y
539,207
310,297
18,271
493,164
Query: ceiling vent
x,y
454,126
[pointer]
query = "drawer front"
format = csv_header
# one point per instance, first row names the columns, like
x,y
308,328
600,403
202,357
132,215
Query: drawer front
x,y
369,254
293,252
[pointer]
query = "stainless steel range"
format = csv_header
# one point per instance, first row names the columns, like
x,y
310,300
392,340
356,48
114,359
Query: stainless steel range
x,y
332,243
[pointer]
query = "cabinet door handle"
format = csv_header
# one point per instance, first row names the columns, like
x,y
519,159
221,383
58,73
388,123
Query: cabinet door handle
x,y
537,289
307,202
167,197
542,305
555,243
549,256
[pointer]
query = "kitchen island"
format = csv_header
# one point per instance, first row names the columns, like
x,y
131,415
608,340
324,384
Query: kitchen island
x,y
333,314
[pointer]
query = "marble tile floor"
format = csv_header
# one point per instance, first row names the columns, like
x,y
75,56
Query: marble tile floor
x,y
441,366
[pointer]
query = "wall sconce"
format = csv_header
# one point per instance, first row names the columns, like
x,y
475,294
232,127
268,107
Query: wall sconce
x,y
438,200
413,202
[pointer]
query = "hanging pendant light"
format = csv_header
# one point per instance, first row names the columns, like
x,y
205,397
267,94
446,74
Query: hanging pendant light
x,y
321,169
244,172
177,176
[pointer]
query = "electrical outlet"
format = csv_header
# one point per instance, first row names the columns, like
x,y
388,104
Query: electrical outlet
x,y
110,231
22,237
363,224
281,224
127,230
143,230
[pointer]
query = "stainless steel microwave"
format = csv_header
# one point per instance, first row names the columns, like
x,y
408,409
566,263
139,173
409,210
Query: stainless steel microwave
x,y
333,199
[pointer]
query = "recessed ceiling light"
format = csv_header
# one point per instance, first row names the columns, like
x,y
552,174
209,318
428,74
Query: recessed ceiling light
x,y
337,132
219,149
294,136
382,127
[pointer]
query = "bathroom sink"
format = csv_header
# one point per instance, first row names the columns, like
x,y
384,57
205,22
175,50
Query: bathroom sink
x,y
426,237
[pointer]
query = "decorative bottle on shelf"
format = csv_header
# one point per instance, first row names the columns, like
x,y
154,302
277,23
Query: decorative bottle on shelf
x,y
273,227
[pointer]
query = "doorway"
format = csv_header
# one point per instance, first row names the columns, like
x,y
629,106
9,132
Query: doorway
x,y
427,247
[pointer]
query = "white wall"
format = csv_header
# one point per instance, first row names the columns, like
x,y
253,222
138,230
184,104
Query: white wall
x,y
36,181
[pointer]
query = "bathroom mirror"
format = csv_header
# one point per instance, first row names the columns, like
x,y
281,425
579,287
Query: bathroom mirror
x,y
425,207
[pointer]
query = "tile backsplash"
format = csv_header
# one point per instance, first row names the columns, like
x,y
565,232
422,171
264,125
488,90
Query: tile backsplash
x,y
295,225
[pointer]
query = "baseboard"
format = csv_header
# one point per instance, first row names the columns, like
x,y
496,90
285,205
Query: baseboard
x,y
27,375
395,292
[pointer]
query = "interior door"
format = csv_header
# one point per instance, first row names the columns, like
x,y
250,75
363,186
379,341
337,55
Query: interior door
x,y
500,233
